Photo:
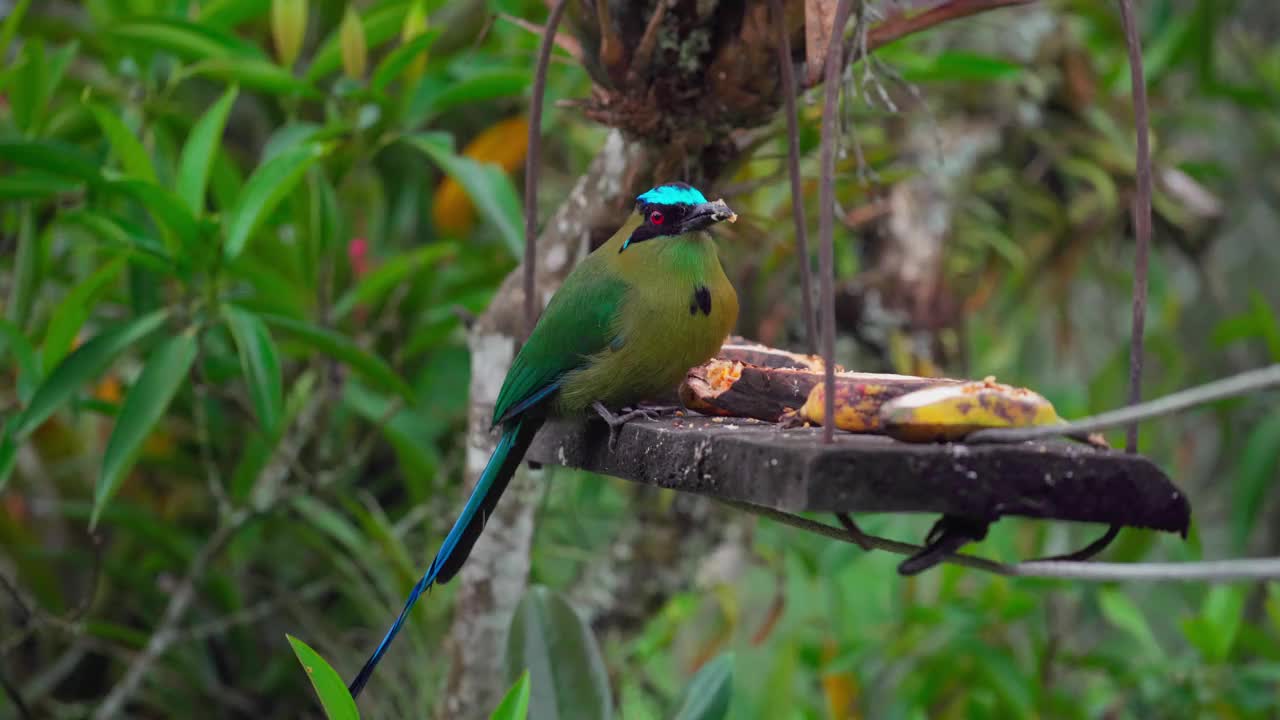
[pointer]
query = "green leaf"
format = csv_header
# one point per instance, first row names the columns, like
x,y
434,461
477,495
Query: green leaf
x,y
334,698
166,370
487,185
33,186
515,705
393,272
197,153
343,348
133,156
1121,612
259,447
83,365
70,314
122,235
1255,474
254,73
491,84
8,456
11,23
167,209
33,80
397,60
260,363
53,157
1224,612
263,191
567,672
955,66
187,40
13,340
1273,605
380,25
227,14
709,693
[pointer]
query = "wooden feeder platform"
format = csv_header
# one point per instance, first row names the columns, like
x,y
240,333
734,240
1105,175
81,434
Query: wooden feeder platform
x,y
790,470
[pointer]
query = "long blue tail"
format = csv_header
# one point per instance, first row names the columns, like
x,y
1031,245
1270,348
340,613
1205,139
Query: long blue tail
x,y
466,530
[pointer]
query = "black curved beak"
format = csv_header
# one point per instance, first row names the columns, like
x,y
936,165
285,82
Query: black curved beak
x,y
704,215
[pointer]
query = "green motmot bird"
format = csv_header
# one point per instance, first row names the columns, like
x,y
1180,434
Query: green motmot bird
x,y
627,324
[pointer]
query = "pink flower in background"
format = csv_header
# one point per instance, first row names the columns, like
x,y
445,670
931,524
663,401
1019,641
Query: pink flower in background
x,y
358,254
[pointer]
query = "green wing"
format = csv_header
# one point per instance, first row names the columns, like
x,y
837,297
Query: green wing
x,y
578,323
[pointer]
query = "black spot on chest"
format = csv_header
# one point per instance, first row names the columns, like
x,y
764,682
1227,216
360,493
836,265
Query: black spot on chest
x,y
700,300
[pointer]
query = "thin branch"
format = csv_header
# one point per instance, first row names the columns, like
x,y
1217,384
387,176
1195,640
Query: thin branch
x,y
1141,212
15,696
567,43
1241,384
165,632
787,69
826,208
1245,569
252,614
531,163
899,27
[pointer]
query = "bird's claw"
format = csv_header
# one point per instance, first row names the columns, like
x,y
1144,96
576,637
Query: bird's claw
x,y
616,421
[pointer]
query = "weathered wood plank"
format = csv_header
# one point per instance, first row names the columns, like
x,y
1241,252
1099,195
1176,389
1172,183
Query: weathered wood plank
x,y
791,470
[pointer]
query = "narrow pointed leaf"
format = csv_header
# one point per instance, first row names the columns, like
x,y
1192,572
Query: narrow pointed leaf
x,y
14,342
86,363
380,25
334,698
1121,612
197,153
264,190
343,348
119,234
229,13
260,363
53,157
567,672
254,73
487,185
164,373
126,146
397,60
515,705
72,312
390,274
709,693
187,40
1255,477
34,186
166,208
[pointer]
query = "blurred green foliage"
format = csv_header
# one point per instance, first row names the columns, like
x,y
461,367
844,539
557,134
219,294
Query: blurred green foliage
x,y
232,360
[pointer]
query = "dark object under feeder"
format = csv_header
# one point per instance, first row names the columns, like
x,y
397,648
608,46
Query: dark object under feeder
x,y
790,470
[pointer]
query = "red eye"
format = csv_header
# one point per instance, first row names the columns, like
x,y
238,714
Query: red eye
x,y
656,218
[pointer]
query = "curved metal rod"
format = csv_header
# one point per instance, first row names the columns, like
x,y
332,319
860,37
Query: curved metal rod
x,y
788,72
1141,213
531,161
826,206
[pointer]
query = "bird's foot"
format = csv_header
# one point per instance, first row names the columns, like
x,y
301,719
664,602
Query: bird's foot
x,y
616,421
